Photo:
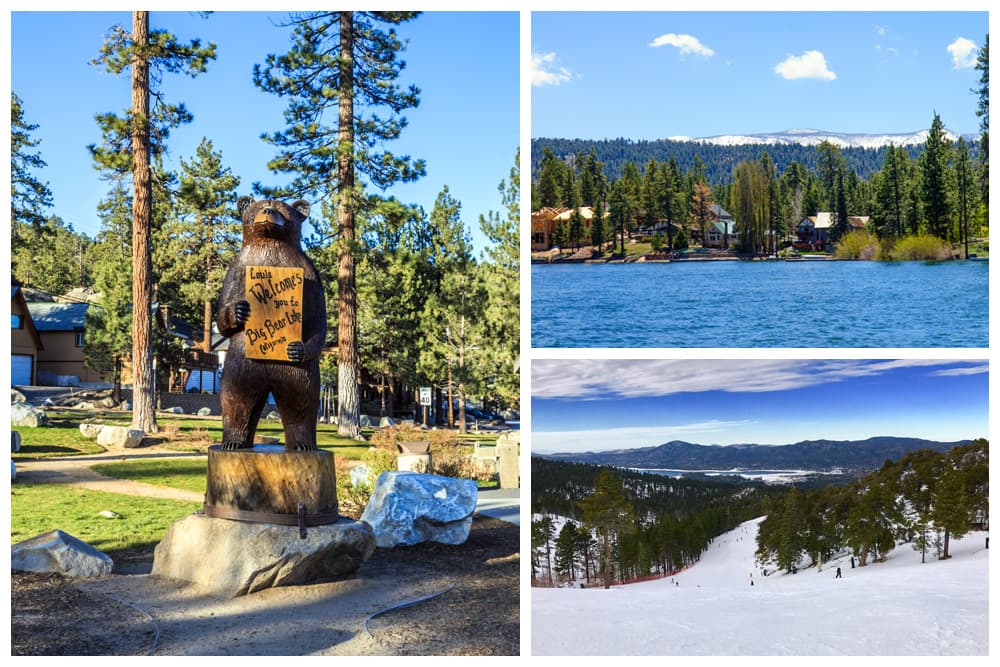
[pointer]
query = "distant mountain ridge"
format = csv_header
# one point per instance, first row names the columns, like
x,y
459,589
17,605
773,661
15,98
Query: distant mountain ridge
x,y
816,137
855,456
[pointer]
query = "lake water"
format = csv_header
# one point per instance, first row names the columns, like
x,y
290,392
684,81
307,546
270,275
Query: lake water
x,y
760,304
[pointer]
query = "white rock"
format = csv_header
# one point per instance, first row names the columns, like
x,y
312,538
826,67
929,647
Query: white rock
x,y
59,552
91,430
25,414
365,421
116,437
409,508
386,421
204,412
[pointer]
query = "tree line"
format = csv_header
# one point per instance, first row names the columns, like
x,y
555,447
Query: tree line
x,y
623,525
940,188
424,309
926,498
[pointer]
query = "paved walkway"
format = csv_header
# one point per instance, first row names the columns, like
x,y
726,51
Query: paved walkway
x,y
503,504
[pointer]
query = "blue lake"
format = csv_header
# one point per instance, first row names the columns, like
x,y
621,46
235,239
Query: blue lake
x,y
760,304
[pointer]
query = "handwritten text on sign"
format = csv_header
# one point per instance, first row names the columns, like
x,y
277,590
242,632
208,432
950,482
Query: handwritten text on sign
x,y
275,297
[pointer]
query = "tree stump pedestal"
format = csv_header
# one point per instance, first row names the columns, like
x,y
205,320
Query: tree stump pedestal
x,y
270,519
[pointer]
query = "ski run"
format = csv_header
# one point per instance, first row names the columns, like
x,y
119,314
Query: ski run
x,y
899,607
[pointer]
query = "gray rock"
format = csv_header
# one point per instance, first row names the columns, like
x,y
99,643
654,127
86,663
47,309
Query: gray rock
x,y
15,441
126,405
176,410
25,414
236,558
59,552
17,397
386,421
273,416
107,403
84,405
204,412
365,421
410,508
116,437
359,475
91,430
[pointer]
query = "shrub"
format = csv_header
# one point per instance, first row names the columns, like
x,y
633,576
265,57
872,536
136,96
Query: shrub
x,y
921,247
858,244
680,241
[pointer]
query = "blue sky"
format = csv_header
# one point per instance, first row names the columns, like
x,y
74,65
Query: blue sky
x,y
591,405
466,127
602,75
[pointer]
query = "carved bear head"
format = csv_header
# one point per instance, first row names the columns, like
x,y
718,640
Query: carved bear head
x,y
272,218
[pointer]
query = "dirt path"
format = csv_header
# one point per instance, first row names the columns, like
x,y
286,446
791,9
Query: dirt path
x,y
77,471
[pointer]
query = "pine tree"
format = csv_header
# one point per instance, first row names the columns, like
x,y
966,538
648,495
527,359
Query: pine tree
x,y
541,539
200,243
108,342
963,195
29,197
501,277
951,508
566,545
549,179
607,512
934,180
983,111
148,54
344,62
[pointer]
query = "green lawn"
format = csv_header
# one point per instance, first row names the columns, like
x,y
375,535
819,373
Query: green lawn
x,y
186,474
39,508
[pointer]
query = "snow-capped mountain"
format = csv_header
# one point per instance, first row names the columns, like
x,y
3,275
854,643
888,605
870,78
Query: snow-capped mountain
x,y
814,137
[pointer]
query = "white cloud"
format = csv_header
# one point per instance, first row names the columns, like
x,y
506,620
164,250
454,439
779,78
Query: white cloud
x,y
963,53
964,370
686,44
543,72
881,30
810,65
629,378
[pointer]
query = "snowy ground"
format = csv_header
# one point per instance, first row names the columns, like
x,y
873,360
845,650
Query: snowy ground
x,y
900,607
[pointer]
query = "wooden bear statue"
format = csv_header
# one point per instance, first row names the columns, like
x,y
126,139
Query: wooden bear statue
x,y
267,356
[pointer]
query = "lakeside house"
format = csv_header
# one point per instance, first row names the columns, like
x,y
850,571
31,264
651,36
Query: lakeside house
x,y
814,230
545,221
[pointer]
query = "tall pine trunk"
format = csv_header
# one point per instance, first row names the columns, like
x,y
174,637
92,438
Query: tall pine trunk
x,y
349,409
143,411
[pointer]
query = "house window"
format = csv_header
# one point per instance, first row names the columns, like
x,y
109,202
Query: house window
x,y
16,321
79,339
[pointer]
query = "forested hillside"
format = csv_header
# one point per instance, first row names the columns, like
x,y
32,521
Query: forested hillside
x,y
926,498
626,525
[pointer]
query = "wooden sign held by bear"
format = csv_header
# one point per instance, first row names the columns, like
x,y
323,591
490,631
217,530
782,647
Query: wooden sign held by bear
x,y
273,310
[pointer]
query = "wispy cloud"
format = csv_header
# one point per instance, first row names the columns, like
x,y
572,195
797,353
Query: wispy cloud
x,y
810,65
686,44
881,30
544,72
978,369
963,53
626,437
630,378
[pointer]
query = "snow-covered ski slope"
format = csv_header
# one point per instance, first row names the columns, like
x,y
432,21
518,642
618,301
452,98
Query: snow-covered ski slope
x,y
900,607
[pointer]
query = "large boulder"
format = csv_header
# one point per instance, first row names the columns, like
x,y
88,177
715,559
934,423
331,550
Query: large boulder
x,y
59,552
25,414
16,396
91,430
233,558
204,412
410,508
118,437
